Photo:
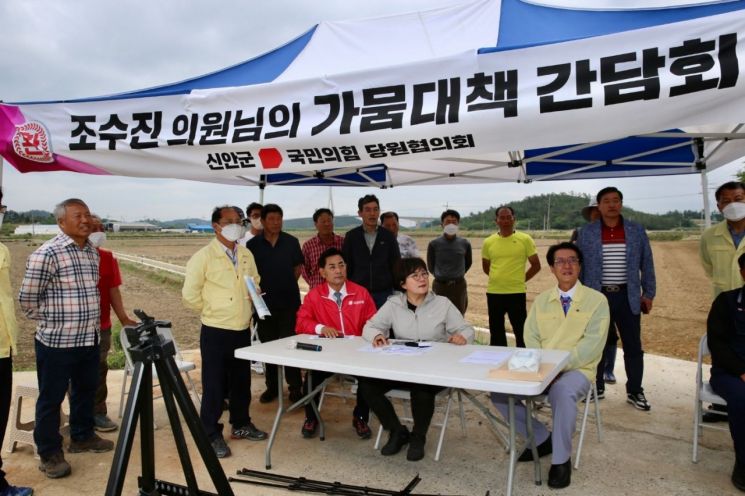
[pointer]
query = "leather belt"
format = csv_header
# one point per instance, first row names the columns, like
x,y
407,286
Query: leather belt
x,y
449,282
613,288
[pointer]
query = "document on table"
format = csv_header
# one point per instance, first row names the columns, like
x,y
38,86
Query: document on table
x,y
487,357
394,349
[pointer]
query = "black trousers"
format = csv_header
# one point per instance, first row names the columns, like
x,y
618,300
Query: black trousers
x,y
222,372
422,403
361,410
514,306
280,325
6,385
629,328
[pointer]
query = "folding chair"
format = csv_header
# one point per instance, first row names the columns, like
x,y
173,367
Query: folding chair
x,y
589,397
405,397
183,366
704,394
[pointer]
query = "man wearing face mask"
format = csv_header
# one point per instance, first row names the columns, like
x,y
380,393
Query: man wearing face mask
x,y
252,223
215,287
720,247
109,280
449,257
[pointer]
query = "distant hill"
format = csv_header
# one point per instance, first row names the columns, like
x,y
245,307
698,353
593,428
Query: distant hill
x,y
563,211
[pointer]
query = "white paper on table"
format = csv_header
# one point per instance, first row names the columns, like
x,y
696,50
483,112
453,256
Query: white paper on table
x,y
486,357
401,349
261,309
316,336
369,348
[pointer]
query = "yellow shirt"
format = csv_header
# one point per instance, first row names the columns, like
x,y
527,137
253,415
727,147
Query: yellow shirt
x,y
719,258
217,289
507,258
8,324
582,331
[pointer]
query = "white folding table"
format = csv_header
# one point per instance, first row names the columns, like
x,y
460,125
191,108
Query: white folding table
x,y
439,366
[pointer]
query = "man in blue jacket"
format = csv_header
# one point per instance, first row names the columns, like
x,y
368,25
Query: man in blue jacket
x,y
618,262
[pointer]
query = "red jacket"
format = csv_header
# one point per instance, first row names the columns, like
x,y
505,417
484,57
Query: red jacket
x,y
357,308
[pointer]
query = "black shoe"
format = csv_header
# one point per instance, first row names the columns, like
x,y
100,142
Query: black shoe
x,y
639,401
267,396
545,448
416,447
609,378
309,428
396,441
560,476
248,431
361,428
738,477
221,447
295,395
601,394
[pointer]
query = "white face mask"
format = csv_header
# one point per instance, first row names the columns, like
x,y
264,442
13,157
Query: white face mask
x,y
256,223
734,212
233,232
97,239
450,229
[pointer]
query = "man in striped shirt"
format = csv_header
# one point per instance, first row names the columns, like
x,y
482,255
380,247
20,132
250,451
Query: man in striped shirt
x,y
323,218
618,262
60,292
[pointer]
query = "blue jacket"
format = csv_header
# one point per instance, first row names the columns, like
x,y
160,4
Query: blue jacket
x,y
640,278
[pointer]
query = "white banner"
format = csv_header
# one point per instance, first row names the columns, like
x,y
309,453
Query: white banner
x,y
670,76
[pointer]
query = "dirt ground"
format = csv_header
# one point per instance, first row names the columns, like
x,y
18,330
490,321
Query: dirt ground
x,y
673,328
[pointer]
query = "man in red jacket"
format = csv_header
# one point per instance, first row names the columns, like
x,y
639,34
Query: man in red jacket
x,y
334,309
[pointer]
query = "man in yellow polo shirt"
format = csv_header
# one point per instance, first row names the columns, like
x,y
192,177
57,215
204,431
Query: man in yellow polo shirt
x,y
503,259
569,317
214,286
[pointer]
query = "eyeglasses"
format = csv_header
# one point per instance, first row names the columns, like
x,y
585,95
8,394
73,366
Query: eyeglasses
x,y
422,274
566,261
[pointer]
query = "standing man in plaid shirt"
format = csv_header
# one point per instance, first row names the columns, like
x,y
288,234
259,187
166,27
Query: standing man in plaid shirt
x,y
326,238
60,292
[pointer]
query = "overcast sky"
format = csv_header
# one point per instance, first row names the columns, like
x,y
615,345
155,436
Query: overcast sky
x,y
55,50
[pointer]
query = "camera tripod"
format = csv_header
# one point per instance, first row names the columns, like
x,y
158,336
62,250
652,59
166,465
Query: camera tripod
x,y
148,349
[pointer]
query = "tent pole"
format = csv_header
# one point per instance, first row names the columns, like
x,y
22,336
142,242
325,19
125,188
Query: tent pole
x,y
705,193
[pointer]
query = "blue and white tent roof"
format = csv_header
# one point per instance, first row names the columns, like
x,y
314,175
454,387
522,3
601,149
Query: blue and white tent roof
x,y
374,48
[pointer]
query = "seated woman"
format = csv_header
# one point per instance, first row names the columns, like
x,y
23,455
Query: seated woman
x,y
415,314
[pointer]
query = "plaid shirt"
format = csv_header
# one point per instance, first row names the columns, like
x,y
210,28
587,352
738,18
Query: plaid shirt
x,y
60,292
312,249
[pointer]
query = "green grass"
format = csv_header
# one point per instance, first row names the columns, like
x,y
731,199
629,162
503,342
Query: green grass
x,y
163,278
116,358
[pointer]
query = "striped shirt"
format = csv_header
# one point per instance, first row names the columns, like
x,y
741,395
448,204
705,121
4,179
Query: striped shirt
x,y
312,249
60,292
614,255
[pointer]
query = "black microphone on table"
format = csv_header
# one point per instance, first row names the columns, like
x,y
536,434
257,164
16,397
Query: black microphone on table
x,y
304,346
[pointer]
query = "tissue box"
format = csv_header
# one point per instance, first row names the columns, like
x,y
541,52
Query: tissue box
x,y
527,360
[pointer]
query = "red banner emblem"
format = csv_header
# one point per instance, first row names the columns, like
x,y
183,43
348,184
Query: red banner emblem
x,y
31,142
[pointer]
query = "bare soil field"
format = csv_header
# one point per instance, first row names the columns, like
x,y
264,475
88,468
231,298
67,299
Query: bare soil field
x,y
673,328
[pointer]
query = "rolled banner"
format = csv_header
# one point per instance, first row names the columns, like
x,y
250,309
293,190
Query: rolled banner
x,y
261,309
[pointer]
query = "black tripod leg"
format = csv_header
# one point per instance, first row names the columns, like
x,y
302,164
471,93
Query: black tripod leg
x,y
128,428
219,480
167,388
147,436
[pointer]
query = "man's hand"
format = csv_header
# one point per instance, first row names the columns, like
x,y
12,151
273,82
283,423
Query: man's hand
x,y
330,332
127,322
379,341
457,339
742,377
646,305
